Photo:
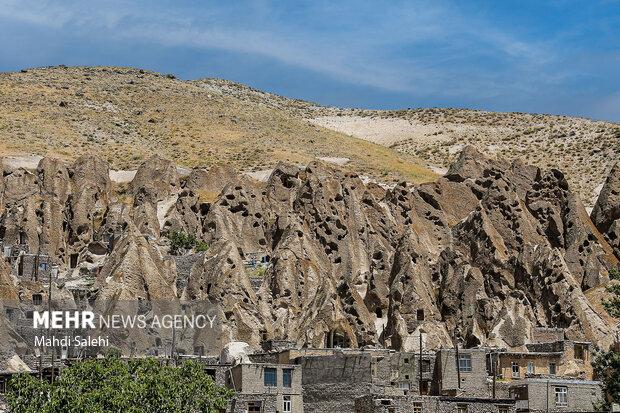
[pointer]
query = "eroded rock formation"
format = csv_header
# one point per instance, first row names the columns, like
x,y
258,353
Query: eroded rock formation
x,y
485,253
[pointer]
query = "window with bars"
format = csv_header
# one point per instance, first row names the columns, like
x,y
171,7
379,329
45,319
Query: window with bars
x,y
287,406
287,377
561,396
271,377
37,299
465,363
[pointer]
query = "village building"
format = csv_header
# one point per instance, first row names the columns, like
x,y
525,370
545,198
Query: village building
x,y
462,372
554,395
562,358
266,388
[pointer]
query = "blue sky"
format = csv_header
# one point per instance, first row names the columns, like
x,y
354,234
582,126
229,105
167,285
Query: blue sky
x,y
531,56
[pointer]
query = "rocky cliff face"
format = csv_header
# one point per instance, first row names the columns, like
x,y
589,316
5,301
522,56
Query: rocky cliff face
x,y
606,212
485,253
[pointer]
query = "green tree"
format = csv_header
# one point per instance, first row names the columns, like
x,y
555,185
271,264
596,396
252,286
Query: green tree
x,y
180,240
613,304
607,363
114,385
607,369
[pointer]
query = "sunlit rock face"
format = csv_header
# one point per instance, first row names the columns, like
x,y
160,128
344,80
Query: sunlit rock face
x,y
486,253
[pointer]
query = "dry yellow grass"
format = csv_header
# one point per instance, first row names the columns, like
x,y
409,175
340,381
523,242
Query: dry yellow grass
x,y
583,149
126,115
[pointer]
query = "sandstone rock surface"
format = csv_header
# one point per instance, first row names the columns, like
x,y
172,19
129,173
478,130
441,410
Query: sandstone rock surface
x,y
317,256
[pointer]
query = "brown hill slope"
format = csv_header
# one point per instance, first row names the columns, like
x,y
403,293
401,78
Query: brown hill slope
x,y
126,115
584,149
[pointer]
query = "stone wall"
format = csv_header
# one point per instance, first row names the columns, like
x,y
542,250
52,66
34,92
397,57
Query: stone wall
x,y
430,404
547,335
332,383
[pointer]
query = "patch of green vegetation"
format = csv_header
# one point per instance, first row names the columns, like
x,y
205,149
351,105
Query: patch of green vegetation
x,y
258,272
180,241
607,363
115,385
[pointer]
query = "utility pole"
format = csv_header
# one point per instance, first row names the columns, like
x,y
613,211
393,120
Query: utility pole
x,y
458,366
547,395
494,365
420,366
49,309
174,337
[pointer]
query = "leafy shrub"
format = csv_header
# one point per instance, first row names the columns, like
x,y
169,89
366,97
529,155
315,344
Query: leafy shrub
x,y
179,241
114,385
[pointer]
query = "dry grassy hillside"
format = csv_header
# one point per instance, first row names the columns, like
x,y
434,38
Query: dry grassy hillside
x,y
128,114
583,149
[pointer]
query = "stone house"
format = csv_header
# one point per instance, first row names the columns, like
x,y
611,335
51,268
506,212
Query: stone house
x,y
333,380
36,267
513,366
266,388
432,404
472,371
563,358
404,372
553,395
575,358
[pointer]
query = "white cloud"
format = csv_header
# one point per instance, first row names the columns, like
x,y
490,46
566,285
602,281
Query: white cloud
x,y
359,53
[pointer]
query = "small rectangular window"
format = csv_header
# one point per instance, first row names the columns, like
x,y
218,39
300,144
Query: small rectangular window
x,y
530,368
73,260
580,352
462,408
561,396
271,377
288,405
552,369
417,407
502,409
515,370
37,299
465,363
420,314
426,366
287,377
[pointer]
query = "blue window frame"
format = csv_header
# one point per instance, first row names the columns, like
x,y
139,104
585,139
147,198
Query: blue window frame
x,y
271,377
287,377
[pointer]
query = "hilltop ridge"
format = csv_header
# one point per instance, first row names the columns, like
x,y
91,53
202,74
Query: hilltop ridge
x,y
127,115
